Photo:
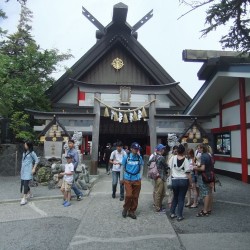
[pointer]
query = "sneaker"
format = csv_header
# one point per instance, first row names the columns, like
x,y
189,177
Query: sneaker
x,y
113,196
79,198
23,201
121,198
162,211
64,202
67,204
180,218
132,215
124,213
172,216
29,195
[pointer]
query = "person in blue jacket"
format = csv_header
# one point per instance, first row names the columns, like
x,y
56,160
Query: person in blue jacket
x,y
131,174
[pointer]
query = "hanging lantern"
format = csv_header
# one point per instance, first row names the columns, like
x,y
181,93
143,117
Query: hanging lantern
x,y
115,117
135,117
106,112
125,118
144,113
131,117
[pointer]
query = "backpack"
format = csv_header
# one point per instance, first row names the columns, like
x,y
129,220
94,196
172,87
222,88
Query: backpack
x,y
153,172
208,175
129,159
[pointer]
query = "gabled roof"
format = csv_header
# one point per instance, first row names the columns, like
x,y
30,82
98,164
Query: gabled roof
x,y
117,32
220,75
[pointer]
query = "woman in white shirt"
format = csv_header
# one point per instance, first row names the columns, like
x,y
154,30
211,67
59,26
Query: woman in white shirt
x,y
181,180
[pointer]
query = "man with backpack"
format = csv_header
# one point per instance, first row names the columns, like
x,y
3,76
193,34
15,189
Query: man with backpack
x,y
131,174
158,172
116,159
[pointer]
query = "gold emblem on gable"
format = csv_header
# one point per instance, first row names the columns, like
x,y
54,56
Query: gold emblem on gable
x,y
117,63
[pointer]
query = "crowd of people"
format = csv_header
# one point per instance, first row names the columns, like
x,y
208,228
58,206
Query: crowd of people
x,y
183,165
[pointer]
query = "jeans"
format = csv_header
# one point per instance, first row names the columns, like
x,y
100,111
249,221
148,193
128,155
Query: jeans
x,y
180,187
76,190
115,177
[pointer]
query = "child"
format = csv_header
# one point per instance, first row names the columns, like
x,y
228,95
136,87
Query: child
x,y
67,181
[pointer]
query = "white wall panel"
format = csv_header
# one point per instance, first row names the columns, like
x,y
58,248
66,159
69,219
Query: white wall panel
x,y
248,111
247,86
232,95
214,123
235,144
231,116
228,166
248,144
71,97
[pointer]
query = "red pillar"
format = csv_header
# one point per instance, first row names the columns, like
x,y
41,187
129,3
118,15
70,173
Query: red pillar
x,y
243,129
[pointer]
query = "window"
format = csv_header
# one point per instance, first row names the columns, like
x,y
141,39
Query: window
x,y
222,143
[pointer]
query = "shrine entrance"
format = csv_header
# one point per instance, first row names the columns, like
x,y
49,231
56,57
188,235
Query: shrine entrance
x,y
111,132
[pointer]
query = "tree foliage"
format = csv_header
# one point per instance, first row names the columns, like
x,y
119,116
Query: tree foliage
x,y
25,73
232,13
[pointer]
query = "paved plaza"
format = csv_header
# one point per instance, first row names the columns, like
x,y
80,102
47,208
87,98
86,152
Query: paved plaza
x,y
96,221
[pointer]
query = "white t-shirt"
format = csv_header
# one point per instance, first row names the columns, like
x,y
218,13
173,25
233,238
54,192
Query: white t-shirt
x,y
179,172
117,157
69,167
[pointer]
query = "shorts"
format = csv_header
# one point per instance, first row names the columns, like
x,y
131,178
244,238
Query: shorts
x,y
66,187
205,188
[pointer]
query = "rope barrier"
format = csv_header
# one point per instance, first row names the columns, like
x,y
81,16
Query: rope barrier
x,y
122,110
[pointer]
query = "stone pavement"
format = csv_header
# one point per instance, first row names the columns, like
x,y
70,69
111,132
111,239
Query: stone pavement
x,y
96,222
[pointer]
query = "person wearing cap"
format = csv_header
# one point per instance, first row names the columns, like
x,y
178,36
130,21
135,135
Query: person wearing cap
x,y
131,174
116,159
159,185
67,180
75,160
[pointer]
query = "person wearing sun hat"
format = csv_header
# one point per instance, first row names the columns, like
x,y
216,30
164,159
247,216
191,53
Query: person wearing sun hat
x,y
131,174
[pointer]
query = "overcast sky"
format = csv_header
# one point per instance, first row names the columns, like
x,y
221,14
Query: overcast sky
x,y
60,24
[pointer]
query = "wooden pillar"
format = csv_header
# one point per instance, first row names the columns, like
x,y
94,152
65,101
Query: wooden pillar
x,y
152,124
243,129
95,135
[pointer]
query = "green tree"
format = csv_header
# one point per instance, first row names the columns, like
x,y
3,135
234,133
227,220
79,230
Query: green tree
x,y
231,13
25,72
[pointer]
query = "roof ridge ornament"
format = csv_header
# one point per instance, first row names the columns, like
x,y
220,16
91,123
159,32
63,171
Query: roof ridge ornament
x,y
93,20
142,21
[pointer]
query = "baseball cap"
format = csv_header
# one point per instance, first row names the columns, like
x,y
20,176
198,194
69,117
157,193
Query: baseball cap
x,y
135,145
159,147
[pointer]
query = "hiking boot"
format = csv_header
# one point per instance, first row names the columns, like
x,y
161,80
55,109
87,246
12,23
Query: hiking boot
x,y
23,201
79,198
124,213
67,204
132,215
